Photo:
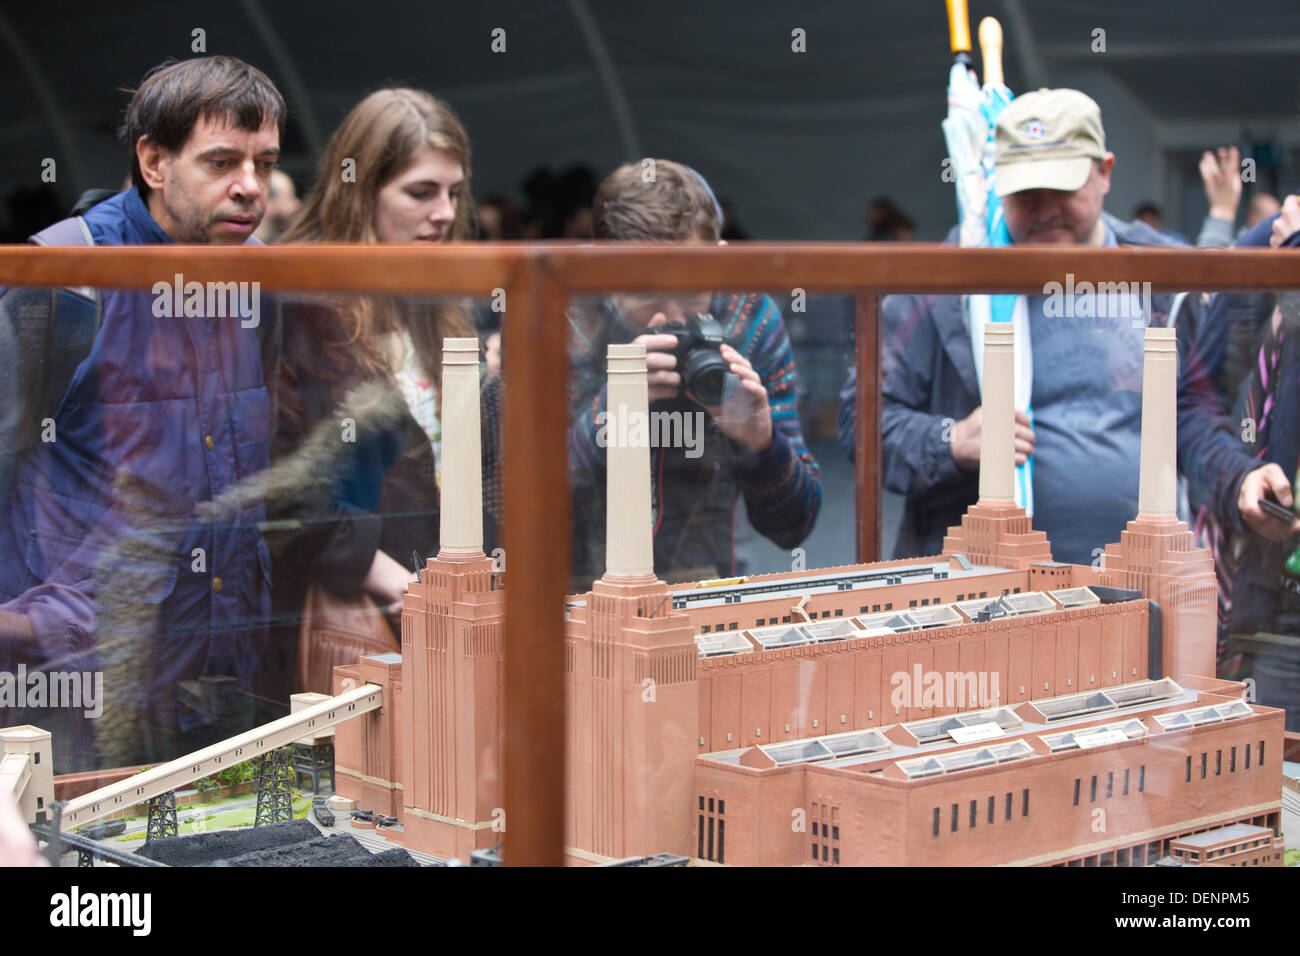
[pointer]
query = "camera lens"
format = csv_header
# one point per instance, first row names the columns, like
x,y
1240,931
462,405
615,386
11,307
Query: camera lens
x,y
708,377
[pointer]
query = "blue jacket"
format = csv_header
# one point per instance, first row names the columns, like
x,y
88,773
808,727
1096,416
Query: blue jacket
x,y
928,383
1230,340
100,546
1232,346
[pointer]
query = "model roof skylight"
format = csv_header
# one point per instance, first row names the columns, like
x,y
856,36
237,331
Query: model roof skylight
x,y
1213,714
934,729
783,635
828,630
972,759
1008,605
940,616
717,645
1112,698
1086,737
851,744
1075,597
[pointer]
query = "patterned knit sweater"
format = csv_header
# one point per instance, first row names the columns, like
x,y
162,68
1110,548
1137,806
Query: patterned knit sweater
x,y
693,491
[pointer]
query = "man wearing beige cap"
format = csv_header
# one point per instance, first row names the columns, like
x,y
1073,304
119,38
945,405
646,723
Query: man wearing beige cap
x,y
1083,369
1053,170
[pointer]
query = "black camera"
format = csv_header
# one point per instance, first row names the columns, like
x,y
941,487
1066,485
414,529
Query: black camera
x,y
704,372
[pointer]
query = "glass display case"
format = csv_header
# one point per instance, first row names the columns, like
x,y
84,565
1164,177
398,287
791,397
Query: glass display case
x,y
528,565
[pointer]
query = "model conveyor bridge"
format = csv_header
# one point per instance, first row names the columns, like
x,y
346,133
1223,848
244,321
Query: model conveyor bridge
x,y
735,590
175,774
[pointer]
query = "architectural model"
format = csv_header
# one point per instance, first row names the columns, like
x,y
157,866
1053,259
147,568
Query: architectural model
x,y
983,706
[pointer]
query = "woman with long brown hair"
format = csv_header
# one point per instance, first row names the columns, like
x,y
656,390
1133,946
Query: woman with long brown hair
x,y
396,170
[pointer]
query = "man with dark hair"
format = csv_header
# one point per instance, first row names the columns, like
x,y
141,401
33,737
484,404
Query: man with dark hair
x,y
708,448
147,411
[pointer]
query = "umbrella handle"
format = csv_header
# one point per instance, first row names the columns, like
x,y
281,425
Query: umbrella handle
x,y
958,26
991,50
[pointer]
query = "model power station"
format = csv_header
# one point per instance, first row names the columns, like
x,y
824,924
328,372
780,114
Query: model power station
x,y
987,705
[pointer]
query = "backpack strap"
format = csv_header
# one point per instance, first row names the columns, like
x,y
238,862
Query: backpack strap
x,y
72,231
71,325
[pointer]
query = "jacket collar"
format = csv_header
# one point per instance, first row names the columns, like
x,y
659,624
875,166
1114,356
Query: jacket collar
x,y
143,227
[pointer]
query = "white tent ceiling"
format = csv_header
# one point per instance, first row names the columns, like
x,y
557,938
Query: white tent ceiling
x,y
798,141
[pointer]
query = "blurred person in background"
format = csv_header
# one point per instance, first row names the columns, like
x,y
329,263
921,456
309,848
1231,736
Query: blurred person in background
x,y
282,204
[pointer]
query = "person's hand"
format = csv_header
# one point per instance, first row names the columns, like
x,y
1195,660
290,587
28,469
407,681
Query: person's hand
x,y
1287,223
16,627
387,582
661,365
494,352
17,845
966,439
1255,486
1221,175
745,417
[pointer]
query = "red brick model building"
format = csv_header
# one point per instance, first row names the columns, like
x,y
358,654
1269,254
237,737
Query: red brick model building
x,y
986,705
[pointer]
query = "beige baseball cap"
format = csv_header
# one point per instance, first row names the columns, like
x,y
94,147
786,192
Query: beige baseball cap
x,y
1047,140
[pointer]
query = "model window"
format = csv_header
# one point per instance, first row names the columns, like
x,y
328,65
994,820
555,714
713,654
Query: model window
x,y
954,818
912,603
972,814
1125,782
984,594
1024,806
890,607
1204,763
1110,785
1261,753
1076,791
934,827
1218,762
992,802
835,856
786,619
1188,778
1142,778
839,612
874,607
1008,806
731,626
1092,795
704,629
1247,756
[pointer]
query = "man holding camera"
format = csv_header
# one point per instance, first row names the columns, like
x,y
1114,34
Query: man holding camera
x,y
722,385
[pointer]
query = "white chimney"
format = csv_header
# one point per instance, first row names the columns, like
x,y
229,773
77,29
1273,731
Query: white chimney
x,y
998,416
461,505
1158,478
629,548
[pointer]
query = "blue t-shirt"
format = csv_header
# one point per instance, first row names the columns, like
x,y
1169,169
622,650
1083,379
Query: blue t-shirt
x,y
1087,407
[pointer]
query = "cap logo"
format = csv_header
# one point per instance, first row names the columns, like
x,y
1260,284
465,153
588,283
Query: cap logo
x,y
1034,129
